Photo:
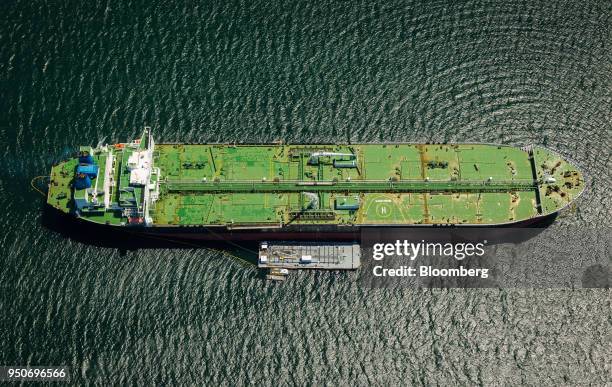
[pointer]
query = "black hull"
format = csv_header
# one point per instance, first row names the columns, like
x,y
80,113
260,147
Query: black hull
x,y
151,237
313,233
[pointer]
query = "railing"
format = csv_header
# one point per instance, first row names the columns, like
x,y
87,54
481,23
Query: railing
x,y
251,186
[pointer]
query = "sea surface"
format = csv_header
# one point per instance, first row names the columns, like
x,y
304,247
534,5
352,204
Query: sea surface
x,y
83,72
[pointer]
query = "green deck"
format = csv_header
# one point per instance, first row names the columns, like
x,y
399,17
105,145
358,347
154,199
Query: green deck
x,y
271,185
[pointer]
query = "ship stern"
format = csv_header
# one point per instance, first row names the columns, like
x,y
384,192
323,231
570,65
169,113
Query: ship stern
x,y
59,194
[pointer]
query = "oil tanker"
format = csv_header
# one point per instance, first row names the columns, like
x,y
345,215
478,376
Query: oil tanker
x,y
309,191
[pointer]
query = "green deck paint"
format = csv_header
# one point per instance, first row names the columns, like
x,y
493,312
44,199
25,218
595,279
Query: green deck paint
x,y
397,184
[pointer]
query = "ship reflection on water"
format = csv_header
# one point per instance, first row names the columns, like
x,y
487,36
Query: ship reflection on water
x,y
126,240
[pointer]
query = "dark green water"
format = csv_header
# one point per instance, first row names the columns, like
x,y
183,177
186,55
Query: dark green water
x,y
75,72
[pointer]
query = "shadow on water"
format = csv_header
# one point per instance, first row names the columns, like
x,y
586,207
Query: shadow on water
x,y
493,235
126,240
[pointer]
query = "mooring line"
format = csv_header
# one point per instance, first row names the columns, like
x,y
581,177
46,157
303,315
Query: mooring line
x,y
35,188
194,245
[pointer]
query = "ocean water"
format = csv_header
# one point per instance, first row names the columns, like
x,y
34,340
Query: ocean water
x,y
75,72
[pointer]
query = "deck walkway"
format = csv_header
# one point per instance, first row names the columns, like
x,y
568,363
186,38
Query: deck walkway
x,y
355,186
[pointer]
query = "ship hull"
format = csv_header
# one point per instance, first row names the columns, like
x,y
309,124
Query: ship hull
x,y
107,235
314,233
309,191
